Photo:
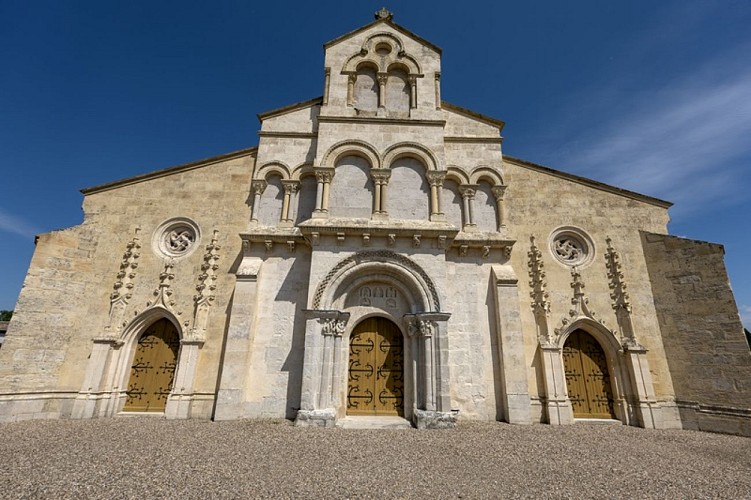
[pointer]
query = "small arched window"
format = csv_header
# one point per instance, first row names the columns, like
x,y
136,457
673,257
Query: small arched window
x,y
397,90
366,89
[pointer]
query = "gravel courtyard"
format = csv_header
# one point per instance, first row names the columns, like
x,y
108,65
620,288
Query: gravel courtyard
x,y
156,458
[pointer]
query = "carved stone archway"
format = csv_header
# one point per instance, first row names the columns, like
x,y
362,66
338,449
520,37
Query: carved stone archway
x,y
333,316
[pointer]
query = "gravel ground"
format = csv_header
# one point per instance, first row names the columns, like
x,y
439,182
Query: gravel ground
x,y
156,458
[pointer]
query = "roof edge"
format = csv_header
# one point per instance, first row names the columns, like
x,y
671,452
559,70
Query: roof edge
x,y
473,114
389,22
591,183
289,107
167,171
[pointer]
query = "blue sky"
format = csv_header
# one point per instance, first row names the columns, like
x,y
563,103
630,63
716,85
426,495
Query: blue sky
x,y
650,96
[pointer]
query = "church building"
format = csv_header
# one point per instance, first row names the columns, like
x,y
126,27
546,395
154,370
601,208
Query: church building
x,y
376,254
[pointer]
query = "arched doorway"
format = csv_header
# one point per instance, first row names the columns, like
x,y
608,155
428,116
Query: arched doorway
x,y
587,377
153,368
375,382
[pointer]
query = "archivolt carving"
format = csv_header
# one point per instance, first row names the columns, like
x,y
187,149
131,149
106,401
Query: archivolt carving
x,y
271,168
413,150
351,147
377,256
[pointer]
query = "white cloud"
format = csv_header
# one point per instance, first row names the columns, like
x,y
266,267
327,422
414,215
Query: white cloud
x,y
682,143
13,224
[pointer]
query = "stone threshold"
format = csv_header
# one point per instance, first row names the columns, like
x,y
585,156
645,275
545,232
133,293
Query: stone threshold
x,y
150,414
373,422
597,421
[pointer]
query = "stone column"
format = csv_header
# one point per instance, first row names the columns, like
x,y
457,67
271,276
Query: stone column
x,y
643,398
95,389
380,178
257,187
382,79
179,401
230,398
351,79
433,400
412,91
290,188
436,178
437,90
508,329
320,367
557,403
324,175
468,198
326,83
498,192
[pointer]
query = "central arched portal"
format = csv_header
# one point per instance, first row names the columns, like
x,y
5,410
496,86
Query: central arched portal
x,y
375,382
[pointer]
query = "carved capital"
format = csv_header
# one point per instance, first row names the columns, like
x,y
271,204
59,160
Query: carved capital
x,y
468,191
324,174
290,187
380,175
258,186
436,177
382,78
498,192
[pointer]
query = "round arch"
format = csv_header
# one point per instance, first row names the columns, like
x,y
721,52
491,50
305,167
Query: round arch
x,y
302,170
271,168
349,273
355,148
456,174
412,150
485,173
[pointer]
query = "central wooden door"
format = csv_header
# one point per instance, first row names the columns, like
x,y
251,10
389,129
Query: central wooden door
x,y
153,368
376,369
587,377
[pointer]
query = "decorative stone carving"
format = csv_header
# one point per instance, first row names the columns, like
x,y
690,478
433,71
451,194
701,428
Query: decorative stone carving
x,y
122,289
269,244
291,246
205,288
422,328
539,294
384,13
334,326
163,293
571,246
619,295
175,238
581,305
416,240
391,240
366,239
485,251
379,256
463,250
384,297
258,186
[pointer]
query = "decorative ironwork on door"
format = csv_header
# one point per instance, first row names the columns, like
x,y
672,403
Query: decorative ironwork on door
x,y
376,369
153,368
587,377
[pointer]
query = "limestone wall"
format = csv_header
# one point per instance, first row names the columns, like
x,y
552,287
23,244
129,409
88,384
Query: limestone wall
x,y
539,202
701,329
65,301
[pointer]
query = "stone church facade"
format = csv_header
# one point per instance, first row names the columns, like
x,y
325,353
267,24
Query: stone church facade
x,y
376,254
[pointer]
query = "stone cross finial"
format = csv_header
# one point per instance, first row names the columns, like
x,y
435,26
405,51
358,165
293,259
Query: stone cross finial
x,y
384,13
